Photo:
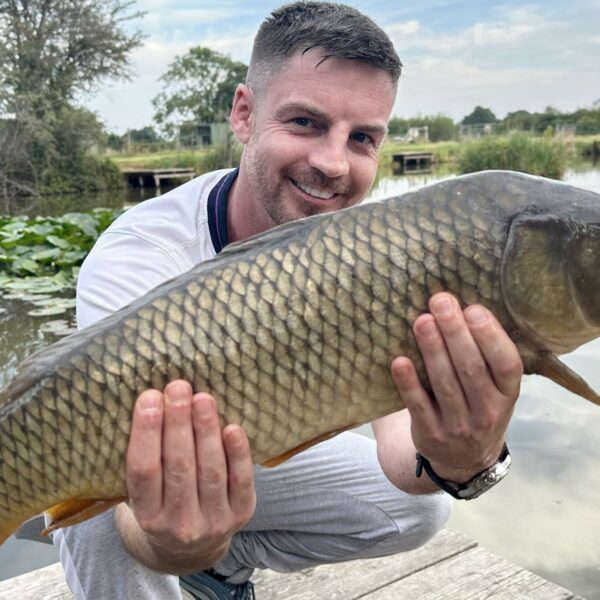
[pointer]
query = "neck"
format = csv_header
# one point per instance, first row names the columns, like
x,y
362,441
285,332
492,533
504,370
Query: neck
x,y
245,216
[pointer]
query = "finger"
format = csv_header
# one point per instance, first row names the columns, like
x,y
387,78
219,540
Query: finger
x,y
179,460
144,462
445,384
423,411
211,464
467,360
498,349
242,496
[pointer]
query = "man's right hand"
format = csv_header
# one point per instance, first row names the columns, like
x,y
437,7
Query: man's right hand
x,y
190,485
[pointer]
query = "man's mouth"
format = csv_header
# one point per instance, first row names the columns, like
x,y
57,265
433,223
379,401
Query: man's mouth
x,y
313,191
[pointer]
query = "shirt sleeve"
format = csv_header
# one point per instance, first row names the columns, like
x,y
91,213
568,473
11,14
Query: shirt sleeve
x,y
120,268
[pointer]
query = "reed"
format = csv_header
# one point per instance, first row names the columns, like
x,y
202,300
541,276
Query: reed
x,y
518,152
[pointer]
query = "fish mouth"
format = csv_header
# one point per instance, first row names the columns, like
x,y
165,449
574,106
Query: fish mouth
x,y
314,192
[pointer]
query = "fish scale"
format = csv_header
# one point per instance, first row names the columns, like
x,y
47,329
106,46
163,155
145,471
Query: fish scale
x,y
292,331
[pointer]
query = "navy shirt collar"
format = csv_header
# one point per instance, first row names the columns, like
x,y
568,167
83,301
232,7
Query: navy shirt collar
x,y
217,211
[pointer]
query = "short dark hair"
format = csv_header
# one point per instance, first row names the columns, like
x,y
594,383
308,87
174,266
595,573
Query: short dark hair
x,y
342,31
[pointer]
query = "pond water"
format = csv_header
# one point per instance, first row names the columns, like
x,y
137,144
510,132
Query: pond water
x,y
544,516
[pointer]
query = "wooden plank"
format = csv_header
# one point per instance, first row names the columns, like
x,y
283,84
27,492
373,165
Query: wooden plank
x,y
356,579
473,575
450,567
47,583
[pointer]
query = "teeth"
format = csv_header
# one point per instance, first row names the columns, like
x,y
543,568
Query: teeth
x,y
311,191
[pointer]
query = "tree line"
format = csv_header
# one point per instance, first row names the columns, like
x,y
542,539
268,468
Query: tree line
x,y
54,52
585,121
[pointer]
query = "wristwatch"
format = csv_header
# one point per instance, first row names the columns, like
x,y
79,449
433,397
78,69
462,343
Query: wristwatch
x,y
481,483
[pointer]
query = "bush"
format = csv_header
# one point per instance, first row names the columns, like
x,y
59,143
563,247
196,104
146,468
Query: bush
x,y
519,152
80,173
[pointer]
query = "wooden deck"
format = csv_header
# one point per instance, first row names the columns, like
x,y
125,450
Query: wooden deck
x,y
450,567
153,177
412,162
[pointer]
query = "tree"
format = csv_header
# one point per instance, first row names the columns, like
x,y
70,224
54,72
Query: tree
x,y
440,127
479,116
520,120
145,135
198,86
52,52
56,49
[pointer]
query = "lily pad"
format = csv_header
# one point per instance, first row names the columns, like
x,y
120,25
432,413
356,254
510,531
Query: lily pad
x,y
56,326
26,297
47,311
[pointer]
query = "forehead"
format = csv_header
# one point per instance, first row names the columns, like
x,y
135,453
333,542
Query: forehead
x,y
330,83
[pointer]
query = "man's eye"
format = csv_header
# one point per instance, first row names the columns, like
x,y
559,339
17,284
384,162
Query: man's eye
x,y
362,138
302,121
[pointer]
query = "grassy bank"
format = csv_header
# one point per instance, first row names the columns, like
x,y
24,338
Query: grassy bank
x,y
207,159
518,152
202,160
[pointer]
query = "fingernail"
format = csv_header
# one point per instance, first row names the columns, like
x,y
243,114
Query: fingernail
x,y
178,394
204,406
236,437
442,306
476,315
149,402
426,327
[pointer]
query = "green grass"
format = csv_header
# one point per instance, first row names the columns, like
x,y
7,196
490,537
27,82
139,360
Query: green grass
x,y
206,159
584,143
519,152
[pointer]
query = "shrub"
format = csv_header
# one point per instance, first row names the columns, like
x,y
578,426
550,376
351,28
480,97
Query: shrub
x,y
519,152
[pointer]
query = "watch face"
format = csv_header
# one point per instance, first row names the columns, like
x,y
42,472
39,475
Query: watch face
x,y
486,479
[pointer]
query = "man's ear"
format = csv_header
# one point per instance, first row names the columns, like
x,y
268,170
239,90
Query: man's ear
x,y
241,113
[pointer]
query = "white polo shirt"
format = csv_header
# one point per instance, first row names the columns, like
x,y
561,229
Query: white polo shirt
x,y
152,242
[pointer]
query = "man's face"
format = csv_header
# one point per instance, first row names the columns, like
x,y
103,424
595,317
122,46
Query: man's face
x,y
315,136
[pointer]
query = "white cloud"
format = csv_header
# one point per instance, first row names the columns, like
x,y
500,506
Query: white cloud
x,y
522,55
484,34
405,28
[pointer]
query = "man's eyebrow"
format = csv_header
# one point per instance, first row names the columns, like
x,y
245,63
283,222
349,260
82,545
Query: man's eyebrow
x,y
315,112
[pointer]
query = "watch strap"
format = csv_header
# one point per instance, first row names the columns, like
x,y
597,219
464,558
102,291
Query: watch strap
x,y
476,486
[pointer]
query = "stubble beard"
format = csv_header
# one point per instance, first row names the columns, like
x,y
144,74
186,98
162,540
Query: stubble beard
x,y
270,197
266,195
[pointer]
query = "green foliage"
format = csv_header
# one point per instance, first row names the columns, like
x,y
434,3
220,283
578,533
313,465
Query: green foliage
x,y
518,152
198,86
220,156
480,116
440,126
52,51
49,247
586,121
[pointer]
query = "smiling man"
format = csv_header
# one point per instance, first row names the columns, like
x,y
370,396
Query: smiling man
x,y
312,116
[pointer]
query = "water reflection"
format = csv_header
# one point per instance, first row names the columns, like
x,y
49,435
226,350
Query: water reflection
x,y
54,206
543,517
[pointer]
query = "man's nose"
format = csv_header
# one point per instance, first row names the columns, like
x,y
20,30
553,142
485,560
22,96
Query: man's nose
x,y
330,155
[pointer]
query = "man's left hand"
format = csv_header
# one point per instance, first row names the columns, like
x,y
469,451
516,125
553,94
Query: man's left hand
x,y
475,371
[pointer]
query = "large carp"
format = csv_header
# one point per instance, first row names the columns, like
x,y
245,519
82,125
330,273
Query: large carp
x,y
293,331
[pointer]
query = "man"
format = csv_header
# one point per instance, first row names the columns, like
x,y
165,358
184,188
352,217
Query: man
x,y
312,116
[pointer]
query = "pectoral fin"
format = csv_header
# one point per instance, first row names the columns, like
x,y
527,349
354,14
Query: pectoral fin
x,y
76,510
274,462
549,366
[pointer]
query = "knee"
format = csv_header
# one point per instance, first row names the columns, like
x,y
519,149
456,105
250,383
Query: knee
x,y
425,516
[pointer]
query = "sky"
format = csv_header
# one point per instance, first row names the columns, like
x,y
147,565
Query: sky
x,y
502,54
